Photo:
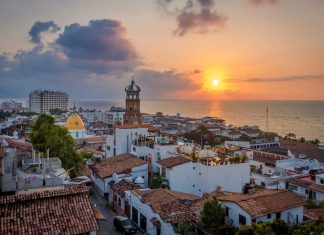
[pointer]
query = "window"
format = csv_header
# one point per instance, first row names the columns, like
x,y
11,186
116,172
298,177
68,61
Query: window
x,y
293,187
119,202
163,171
269,216
297,219
306,191
278,215
143,222
242,219
254,220
135,215
158,156
108,148
322,181
226,211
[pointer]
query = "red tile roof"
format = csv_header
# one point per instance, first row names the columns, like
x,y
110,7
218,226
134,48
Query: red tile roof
x,y
262,202
90,150
24,146
174,161
306,182
58,211
172,206
123,186
95,139
312,151
122,163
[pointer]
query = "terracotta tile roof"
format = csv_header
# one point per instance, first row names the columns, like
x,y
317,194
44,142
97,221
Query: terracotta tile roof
x,y
262,202
59,211
134,126
90,150
266,157
172,206
24,146
174,161
123,186
306,182
122,163
310,150
314,213
95,139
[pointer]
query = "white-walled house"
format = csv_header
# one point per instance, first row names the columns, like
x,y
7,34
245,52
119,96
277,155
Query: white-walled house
x,y
261,206
123,136
309,187
154,210
197,178
124,166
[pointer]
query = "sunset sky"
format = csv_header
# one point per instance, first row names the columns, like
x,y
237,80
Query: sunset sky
x,y
175,49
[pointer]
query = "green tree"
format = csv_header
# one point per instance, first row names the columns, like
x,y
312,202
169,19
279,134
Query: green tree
x,y
158,181
212,216
314,227
46,135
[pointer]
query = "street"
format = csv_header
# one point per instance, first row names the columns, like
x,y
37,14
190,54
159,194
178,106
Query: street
x,y
106,226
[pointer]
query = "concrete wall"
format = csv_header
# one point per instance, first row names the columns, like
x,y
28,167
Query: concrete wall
x,y
196,178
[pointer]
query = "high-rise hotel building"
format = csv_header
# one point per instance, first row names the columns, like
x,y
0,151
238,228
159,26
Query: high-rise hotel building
x,y
42,101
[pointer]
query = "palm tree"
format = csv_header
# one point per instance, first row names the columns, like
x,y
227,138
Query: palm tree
x,y
158,181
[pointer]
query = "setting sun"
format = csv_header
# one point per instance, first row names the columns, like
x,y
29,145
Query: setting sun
x,y
215,82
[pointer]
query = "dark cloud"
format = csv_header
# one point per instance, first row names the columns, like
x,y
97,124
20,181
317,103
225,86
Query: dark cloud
x,y
40,27
259,2
281,79
92,61
197,16
101,46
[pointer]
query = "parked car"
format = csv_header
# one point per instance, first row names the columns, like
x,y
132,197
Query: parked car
x,y
124,224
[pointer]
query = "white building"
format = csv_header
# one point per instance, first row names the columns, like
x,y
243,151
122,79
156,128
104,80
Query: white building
x,y
124,166
153,210
197,178
309,187
42,101
261,206
121,140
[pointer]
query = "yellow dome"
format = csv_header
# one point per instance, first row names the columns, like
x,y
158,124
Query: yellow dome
x,y
74,122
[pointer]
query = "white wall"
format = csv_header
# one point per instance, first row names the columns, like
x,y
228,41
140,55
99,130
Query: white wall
x,y
289,216
196,178
146,210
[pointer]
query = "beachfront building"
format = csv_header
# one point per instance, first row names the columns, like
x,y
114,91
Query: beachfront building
x,y
11,105
133,109
108,171
156,210
199,177
42,101
259,206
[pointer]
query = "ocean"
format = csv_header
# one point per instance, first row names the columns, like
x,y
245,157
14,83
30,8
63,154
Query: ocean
x,y
304,118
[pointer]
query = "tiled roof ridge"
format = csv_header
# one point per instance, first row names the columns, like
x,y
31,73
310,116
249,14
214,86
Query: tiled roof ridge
x,y
42,195
256,195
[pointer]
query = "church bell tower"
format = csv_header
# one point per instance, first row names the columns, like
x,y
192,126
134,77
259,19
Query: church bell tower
x,y
132,112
